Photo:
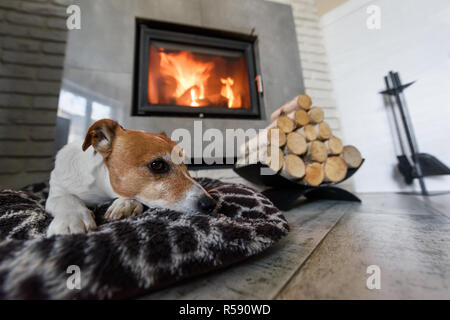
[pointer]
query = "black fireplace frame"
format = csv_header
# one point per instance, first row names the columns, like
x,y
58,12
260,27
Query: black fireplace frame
x,y
151,30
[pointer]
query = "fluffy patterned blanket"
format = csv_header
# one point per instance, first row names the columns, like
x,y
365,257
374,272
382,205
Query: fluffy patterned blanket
x,y
125,258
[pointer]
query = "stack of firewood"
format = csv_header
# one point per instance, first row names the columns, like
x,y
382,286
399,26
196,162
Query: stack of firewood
x,y
301,146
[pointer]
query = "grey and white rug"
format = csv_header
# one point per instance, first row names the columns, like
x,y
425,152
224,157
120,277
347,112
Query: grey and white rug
x,y
129,257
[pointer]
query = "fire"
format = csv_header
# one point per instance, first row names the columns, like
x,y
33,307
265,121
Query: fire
x,y
227,92
190,75
199,80
194,102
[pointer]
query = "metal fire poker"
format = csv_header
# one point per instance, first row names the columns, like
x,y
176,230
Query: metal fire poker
x,y
423,164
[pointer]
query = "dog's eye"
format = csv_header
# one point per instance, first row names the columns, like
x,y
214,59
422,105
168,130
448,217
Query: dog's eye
x,y
159,166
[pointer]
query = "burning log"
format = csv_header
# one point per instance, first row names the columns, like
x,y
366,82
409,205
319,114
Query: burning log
x,y
294,167
188,94
352,156
296,143
335,169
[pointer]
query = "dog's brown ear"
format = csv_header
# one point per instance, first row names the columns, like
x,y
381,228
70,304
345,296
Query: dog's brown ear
x,y
100,135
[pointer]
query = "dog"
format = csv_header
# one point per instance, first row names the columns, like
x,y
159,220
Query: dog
x,y
133,167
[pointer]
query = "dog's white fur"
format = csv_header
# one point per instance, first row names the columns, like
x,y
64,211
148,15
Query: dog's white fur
x,y
80,179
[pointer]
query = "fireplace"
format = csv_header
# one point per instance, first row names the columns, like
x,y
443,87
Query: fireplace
x,y
198,72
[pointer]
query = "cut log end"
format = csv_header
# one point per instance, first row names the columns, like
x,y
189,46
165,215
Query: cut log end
x,y
287,108
286,124
276,137
314,174
335,169
318,151
352,156
310,132
302,118
275,160
324,131
296,143
304,101
335,146
294,167
316,115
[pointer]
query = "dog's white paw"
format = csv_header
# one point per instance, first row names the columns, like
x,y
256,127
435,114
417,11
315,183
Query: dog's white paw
x,y
122,208
72,223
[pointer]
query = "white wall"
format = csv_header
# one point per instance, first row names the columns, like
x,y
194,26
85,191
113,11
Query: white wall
x,y
324,6
414,39
313,58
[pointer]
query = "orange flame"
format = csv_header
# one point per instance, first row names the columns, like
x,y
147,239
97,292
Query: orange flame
x,y
227,92
188,73
194,102
192,78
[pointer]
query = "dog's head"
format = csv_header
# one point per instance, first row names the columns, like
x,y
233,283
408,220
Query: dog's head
x,y
147,167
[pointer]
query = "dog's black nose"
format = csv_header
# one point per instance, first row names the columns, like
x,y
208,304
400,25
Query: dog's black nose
x,y
206,204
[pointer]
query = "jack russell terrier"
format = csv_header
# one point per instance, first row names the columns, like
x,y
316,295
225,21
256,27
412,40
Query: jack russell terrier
x,y
136,167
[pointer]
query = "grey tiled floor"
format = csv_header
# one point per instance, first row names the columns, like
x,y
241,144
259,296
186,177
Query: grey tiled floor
x,y
330,246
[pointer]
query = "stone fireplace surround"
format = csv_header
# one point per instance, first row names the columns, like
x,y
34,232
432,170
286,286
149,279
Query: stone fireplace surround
x,y
100,57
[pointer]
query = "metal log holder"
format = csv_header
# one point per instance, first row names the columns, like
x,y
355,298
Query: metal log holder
x,y
421,165
284,193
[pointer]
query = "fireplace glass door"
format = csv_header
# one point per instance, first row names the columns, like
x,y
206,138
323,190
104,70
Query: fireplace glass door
x,y
189,72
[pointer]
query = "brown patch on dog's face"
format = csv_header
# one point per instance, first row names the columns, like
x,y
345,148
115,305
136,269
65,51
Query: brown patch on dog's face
x,y
141,167
146,166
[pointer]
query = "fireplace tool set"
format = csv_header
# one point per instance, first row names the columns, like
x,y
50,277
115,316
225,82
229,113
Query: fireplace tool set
x,y
411,163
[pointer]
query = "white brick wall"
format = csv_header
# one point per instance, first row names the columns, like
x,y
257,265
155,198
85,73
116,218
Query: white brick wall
x,y
313,58
32,49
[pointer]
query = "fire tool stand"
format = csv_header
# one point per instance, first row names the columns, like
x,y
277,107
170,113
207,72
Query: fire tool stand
x,y
423,164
